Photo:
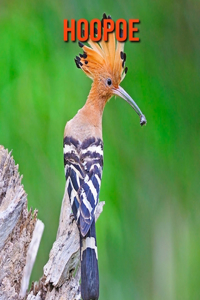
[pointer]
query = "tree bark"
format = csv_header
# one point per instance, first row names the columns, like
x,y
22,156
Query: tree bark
x,y
20,235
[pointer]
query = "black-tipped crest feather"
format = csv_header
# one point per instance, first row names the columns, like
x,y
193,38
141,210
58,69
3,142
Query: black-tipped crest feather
x,y
104,56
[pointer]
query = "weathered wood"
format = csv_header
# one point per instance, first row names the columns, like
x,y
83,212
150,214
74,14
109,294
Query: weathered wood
x,y
16,227
20,234
31,256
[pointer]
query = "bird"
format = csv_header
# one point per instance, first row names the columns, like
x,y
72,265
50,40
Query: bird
x,y
104,63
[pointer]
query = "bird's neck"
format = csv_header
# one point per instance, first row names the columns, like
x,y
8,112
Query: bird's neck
x,y
94,106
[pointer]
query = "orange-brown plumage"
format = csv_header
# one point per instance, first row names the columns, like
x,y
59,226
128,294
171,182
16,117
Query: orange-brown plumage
x,y
103,60
88,120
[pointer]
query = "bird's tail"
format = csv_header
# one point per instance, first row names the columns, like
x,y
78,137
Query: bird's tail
x,y
89,265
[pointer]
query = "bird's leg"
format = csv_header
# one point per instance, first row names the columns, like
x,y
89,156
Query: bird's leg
x,y
71,216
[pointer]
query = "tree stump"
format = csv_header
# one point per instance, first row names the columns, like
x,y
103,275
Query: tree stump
x,y
20,235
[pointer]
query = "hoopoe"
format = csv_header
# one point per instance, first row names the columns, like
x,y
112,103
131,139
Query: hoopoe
x,y
104,63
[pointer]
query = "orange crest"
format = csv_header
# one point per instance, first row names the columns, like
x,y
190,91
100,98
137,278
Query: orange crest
x,y
104,57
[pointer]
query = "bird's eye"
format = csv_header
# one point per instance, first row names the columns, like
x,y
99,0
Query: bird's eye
x,y
109,81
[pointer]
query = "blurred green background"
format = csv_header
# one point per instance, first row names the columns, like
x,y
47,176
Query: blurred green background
x,y
149,232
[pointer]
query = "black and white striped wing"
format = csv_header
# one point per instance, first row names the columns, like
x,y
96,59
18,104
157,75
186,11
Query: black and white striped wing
x,y
74,174
83,171
89,198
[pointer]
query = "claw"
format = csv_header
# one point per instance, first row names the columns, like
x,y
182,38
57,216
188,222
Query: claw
x,y
72,217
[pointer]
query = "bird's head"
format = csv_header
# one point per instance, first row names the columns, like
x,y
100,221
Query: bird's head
x,y
104,63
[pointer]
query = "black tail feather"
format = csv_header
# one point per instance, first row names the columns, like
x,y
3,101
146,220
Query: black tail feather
x,y
89,265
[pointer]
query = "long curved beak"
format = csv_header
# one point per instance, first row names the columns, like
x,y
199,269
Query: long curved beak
x,y
124,95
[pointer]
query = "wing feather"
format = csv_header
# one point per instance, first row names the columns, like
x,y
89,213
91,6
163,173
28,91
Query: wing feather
x,y
83,171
